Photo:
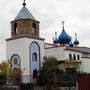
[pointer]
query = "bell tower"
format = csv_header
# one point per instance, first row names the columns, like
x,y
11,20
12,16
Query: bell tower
x,y
24,24
25,48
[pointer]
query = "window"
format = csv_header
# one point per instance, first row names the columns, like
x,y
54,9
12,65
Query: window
x,y
15,27
34,28
15,60
74,57
70,56
35,74
34,57
78,57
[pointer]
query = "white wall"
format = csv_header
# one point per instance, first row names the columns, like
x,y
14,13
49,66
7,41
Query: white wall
x,y
86,65
80,67
21,47
67,52
57,52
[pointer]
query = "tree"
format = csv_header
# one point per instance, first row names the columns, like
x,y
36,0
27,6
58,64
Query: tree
x,y
3,72
49,73
7,74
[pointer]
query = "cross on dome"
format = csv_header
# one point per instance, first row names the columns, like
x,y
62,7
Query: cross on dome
x,y
63,24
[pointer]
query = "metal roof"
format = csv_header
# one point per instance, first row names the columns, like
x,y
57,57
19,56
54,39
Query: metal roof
x,y
64,38
24,14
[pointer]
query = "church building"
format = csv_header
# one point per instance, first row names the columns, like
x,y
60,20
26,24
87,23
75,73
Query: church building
x,y
26,49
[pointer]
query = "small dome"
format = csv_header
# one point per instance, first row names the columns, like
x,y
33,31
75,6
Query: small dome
x,y
55,41
76,42
64,38
71,44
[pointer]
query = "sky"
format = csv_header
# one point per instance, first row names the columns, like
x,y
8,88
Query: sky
x,y
50,13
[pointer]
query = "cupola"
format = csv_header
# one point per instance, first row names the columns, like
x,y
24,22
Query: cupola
x,y
64,38
25,24
76,42
71,44
55,41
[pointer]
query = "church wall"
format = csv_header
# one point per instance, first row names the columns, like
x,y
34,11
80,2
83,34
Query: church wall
x,y
48,46
86,65
21,47
67,52
57,52
42,53
17,46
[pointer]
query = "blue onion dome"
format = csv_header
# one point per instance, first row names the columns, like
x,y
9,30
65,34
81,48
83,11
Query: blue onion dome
x,y
76,42
55,41
64,38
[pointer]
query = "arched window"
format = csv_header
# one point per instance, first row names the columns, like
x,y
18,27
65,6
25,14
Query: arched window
x,y
35,74
15,60
34,56
70,56
74,57
78,57
15,27
34,28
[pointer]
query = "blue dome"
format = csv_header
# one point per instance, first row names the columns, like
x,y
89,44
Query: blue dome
x,y
55,41
71,45
76,42
64,38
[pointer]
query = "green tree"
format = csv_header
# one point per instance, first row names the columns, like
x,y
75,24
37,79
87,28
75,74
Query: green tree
x,y
7,74
4,66
49,74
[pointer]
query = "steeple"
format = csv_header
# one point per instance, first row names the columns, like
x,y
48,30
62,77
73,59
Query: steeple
x,y
63,25
25,24
64,38
76,42
24,13
75,36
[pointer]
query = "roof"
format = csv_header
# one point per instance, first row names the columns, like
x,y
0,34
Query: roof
x,y
76,49
25,36
64,38
24,14
79,49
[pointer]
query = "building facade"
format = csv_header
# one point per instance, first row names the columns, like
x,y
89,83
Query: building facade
x,y
26,49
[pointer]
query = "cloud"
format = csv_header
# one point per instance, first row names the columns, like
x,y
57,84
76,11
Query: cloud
x,y
76,14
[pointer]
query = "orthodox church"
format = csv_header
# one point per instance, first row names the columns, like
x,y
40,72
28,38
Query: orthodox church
x,y
26,49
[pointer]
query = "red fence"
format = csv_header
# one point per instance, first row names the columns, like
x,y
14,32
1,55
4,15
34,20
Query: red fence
x,y
84,82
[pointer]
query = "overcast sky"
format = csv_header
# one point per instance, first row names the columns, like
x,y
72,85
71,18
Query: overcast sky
x,y
50,13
